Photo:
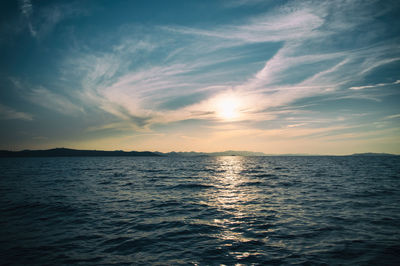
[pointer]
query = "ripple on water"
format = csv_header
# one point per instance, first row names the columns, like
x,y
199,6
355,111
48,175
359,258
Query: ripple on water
x,y
203,210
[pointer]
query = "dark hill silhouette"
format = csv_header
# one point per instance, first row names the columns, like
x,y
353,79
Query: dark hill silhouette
x,y
373,154
63,152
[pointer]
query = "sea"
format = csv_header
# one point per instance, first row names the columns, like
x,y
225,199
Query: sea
x,y
273,210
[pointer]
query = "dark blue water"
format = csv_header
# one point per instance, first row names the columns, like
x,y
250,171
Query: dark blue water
x,y
206,211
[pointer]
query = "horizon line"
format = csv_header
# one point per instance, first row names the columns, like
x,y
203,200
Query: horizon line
x,y
210,153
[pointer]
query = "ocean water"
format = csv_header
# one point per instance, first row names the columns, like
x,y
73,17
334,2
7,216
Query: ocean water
x,y
200,211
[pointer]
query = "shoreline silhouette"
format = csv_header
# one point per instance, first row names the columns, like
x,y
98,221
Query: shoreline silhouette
x,y
66,152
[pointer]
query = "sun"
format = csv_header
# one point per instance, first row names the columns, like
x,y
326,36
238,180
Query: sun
x,y
228,108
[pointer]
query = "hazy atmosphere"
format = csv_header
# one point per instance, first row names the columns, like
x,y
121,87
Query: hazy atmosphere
x,y
317,77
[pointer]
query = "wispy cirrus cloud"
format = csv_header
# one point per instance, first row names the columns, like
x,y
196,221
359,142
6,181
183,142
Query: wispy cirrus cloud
x,y
26,11
40,21
256,70
53,101
26,7
8,113
240,3
187,80
374,85
393,116
284,26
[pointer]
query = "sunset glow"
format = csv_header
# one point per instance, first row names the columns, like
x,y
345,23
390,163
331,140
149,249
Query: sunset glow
x,y
267,76
228,108
200,132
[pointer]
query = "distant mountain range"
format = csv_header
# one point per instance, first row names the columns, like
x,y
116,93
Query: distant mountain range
x,y
373,154
250,153
64,152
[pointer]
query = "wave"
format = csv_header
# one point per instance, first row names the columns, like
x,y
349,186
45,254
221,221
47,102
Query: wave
x,y
276,210
193,186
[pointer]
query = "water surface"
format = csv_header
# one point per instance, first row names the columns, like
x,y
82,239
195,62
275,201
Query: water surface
x,y
200,210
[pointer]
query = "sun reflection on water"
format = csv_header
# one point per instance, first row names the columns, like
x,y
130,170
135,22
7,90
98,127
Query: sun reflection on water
x,y
233,200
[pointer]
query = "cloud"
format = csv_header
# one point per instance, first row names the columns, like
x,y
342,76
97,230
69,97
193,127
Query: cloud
x,y
53,101
374,86
185,80
7,113
240,3
275,26
40,21
393,116
26,11
26,7
306,72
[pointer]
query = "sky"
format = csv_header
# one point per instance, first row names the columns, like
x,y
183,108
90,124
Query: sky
x,y
310,77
